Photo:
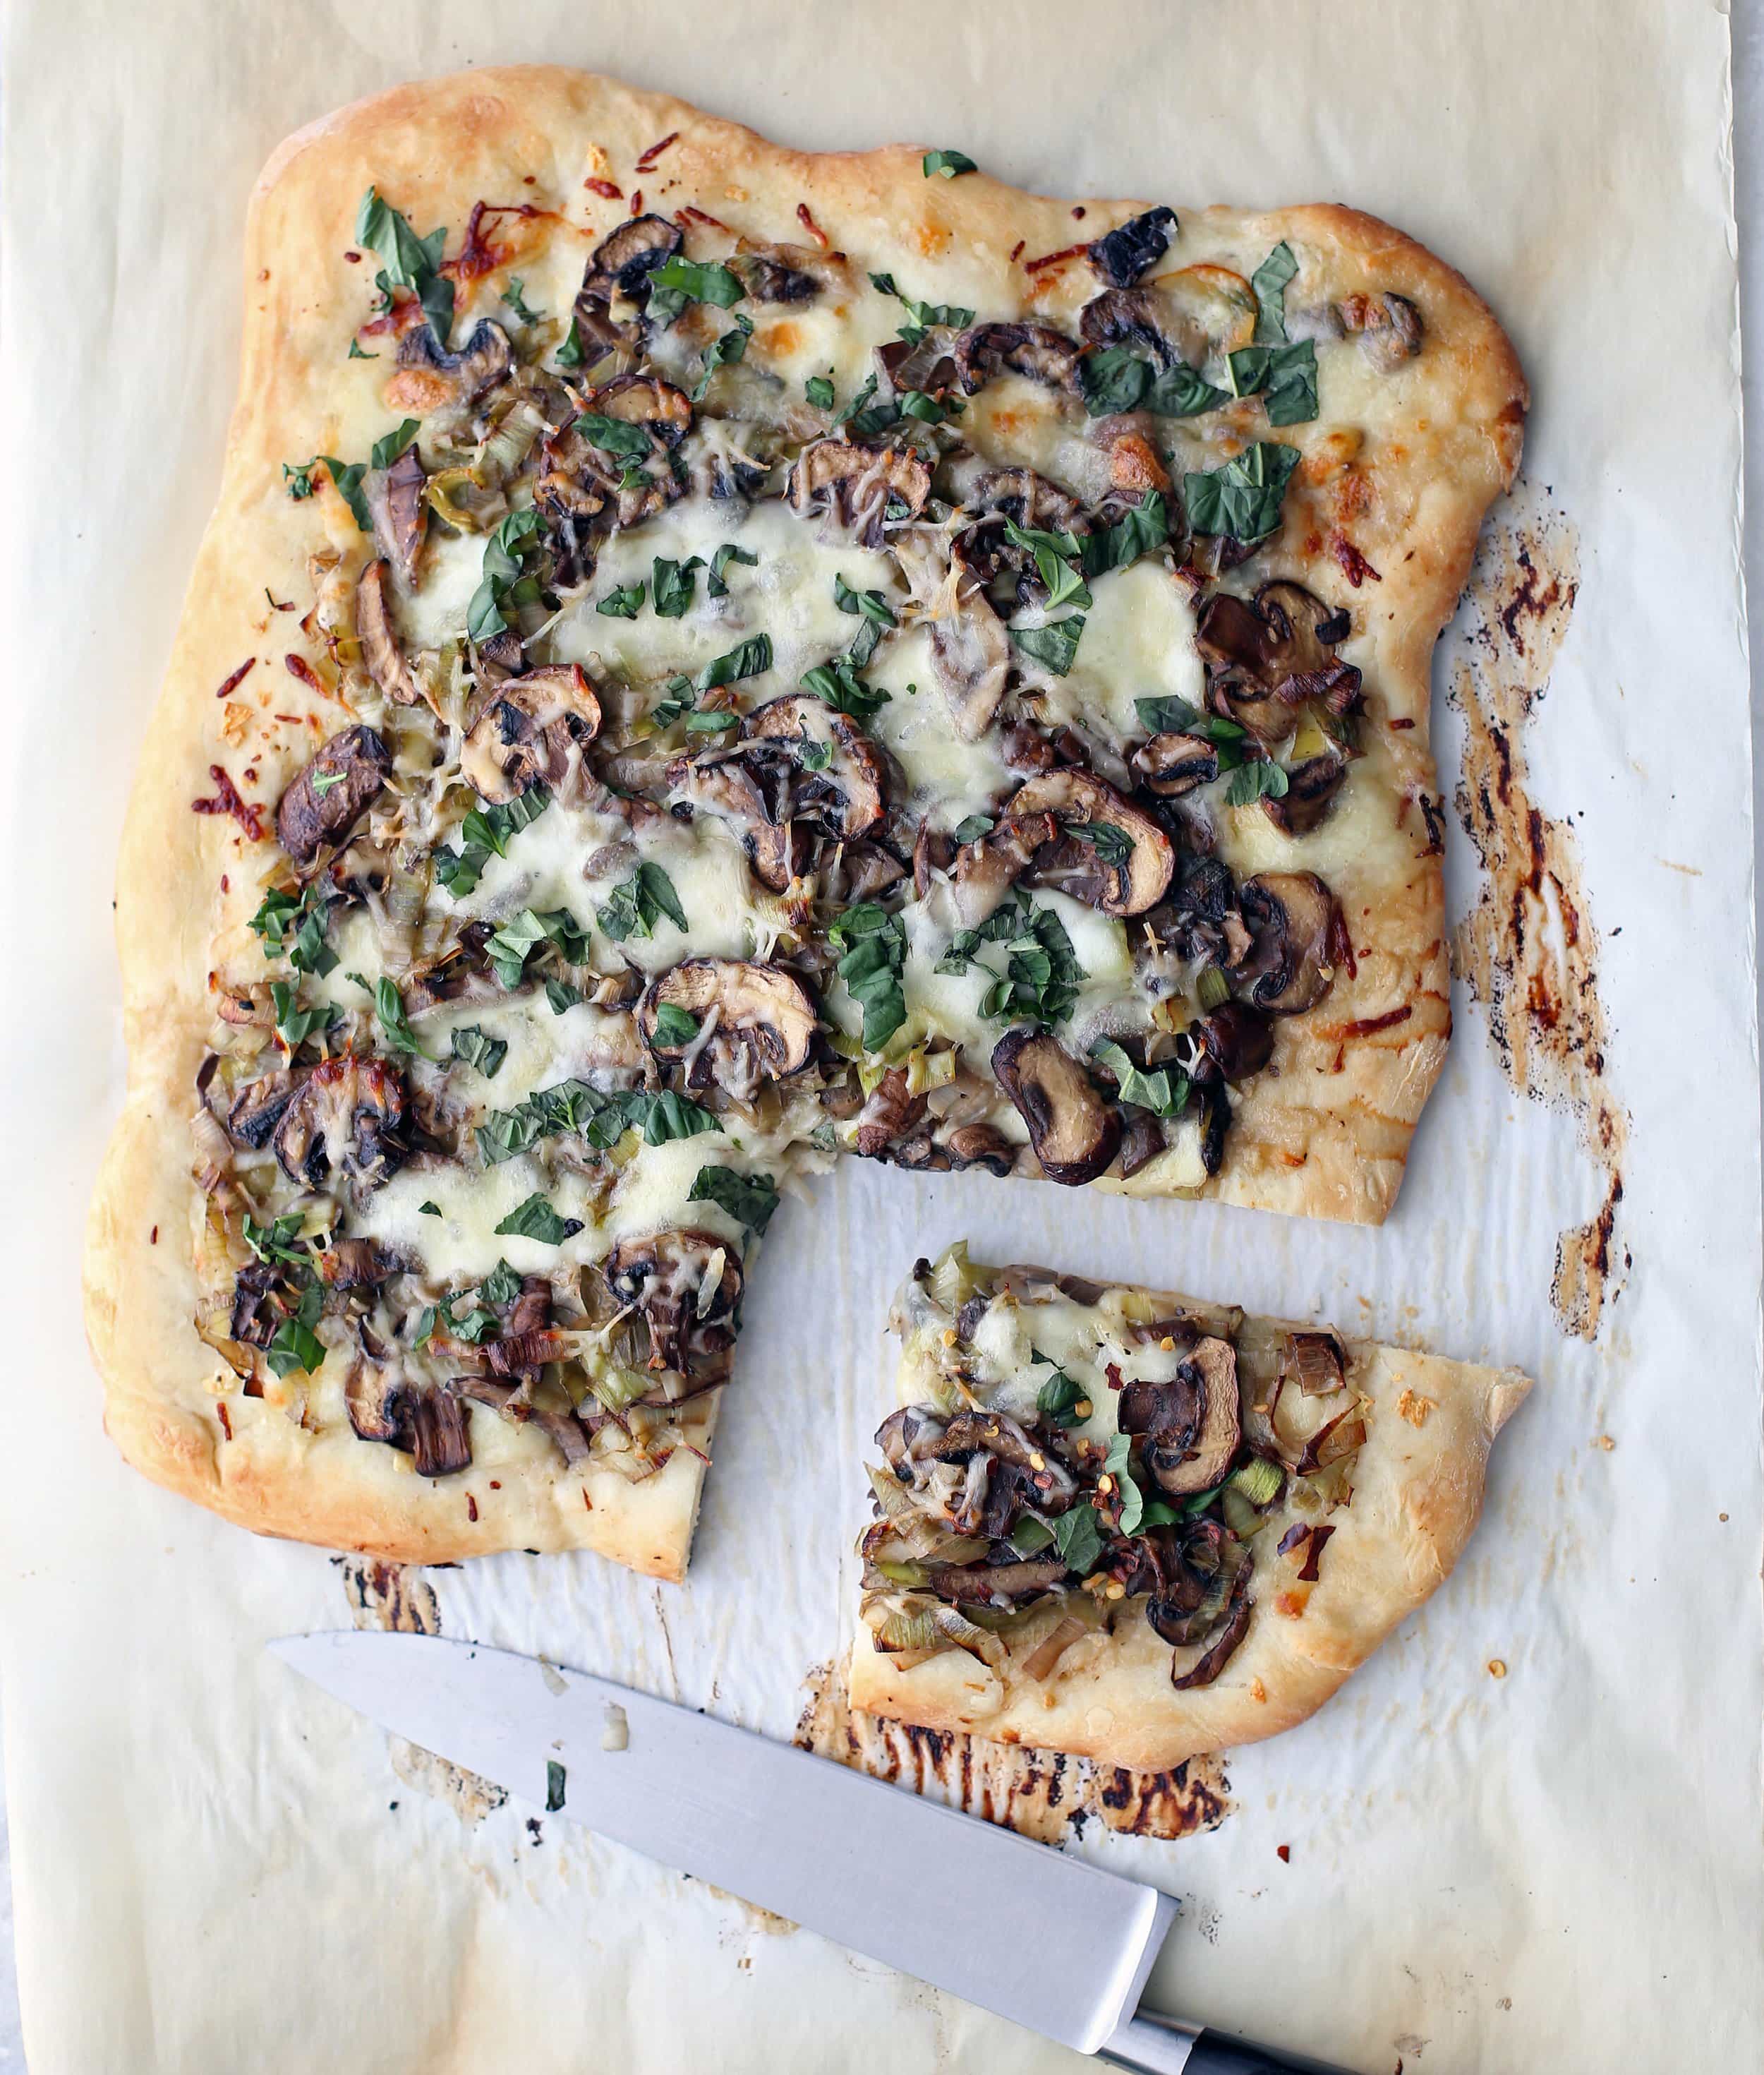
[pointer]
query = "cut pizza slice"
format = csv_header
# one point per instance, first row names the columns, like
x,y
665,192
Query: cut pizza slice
x,y
1137,1528
716,657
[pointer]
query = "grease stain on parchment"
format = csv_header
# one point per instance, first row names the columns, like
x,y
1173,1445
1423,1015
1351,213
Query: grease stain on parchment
x,y
1041,1794
1528,951
398,1596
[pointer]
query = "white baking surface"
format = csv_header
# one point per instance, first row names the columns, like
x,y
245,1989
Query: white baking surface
x,y
1559,1869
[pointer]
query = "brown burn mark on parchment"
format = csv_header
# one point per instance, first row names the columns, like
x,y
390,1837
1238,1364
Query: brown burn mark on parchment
x,y
1041,1794
397,1596
1528,951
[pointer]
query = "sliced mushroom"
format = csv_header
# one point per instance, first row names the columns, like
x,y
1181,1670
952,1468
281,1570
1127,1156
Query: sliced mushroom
x,y
323,803
779,273
1310,787
1291,919
981,1145
260,1106
344,1120
985,870
723,784
1271,654
889,1112
530,730
430,377
427,1421
1034,350
755,1023
1015,493
385,659
854,484
1239,1041
622,264
1122,254
1207,1666
663,411
845,789
1197,1461
1132,317
687,1286
988,1583
400,511
1172,764
358,1263
1074,1132
1388,328
1116,885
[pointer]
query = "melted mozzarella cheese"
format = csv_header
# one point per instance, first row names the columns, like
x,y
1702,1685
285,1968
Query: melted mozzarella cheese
x,y
946,778
1138,642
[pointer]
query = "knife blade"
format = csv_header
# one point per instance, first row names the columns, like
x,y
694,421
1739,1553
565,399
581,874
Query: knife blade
x,y
855,1858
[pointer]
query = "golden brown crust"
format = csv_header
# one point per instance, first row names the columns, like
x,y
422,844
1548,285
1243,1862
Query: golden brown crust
x,y
1418,1487
1325,1133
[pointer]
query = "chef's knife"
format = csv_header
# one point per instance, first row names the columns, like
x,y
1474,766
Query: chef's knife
x,y
860,1860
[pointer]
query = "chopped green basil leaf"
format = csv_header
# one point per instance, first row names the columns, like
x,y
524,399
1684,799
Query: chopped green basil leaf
x,y
874,947
751,1199
1284,377
728,552
1243,498
1256,780
1078,1538
513,299
622,604
535,1218
672,585
640,903
723,351
1053,646
753,658
948,163
675,1026
614,436
819,392
389,1007
478,1049
384,451
1164,1090
1269,282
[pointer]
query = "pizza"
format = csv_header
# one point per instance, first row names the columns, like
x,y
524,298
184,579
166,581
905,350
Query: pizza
x,y
708,658
1138,1527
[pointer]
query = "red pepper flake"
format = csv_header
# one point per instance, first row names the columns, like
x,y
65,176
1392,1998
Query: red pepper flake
x,y
605,190
276,604
495,1484
647,163
1283,1852
529,180
1340,945
226,801
471,1507
1352,564
1053,258
406,312
1077,214
688,215
1365,1026
587,1503
636,201
153,1237
1016,250
810,225
1402,721
226,884
298,667
1117,1381
354,258
232,682
226,1424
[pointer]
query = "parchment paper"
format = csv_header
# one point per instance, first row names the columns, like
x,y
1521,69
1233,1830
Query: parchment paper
x,y
1558,1867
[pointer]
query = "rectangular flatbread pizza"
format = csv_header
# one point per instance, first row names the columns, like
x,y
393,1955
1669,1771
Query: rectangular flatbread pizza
x,y
708,657
1138,1527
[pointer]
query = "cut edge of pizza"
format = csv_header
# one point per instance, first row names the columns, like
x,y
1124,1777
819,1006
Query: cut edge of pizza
x,y
1137,1528
644,722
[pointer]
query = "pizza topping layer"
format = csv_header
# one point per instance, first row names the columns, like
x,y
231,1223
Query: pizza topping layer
x,y
1067,1461
766,713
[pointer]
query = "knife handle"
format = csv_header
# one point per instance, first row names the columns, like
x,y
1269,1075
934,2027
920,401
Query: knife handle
x,y
1155,2045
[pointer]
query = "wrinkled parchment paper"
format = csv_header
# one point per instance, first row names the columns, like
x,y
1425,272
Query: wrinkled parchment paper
x,y
1553,1866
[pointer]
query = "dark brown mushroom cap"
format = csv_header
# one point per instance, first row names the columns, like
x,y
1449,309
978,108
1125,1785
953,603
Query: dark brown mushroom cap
x,y
1015,493
847,792
853,482
1311,788
1291,919
622,264
663,411
484,359
1122,254
1271,654
1171,764
1036,351
1074,1132
1237,1039
778,273
427,1421
260,1105
1192,1427
399,510
762,1022
529,729
1213,1660
985,870
663,1276
1129,317
344,1120
380,651
323,803
724,784
1077,801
